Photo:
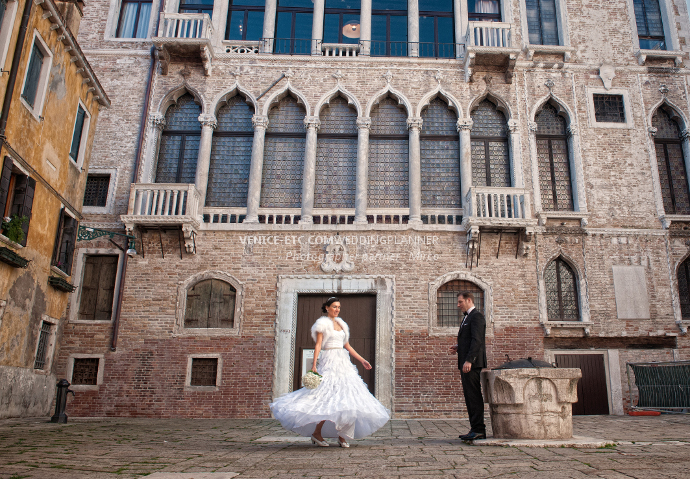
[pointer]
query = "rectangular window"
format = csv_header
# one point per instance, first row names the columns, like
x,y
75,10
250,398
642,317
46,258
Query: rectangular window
x,y
245,20
541,22
197,6
293,27
135,17
85,372
76,136
650,26
389,28
16,196
484,10
436,31
341,21
98,288
42,350
608,108
204,371
63,251
96,191
33,75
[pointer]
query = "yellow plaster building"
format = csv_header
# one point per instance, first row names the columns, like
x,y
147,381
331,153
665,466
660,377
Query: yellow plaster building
x,y
50,100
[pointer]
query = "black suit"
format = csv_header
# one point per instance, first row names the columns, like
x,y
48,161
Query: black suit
x,y
471,348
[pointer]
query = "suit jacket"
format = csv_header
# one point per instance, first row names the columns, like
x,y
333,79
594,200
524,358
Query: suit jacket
x,y
471,340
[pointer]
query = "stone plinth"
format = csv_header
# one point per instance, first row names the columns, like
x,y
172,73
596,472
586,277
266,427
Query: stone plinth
x,y
531,403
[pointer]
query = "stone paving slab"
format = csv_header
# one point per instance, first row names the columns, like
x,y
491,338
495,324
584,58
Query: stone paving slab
x,y
109,448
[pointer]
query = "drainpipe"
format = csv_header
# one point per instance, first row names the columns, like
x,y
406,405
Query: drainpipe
x,y
15,68
135,175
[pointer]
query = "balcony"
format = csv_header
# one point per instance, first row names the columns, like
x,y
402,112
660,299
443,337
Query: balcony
x,y
184,35
164,206
499,207
339,50
492,45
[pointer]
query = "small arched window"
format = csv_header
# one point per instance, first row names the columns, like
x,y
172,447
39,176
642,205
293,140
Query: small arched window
x,y
179,147
553,161
684,288
489,138
210,304
447,311
671,164
561,292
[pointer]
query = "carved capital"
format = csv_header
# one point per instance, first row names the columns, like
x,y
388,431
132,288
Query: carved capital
x,y
157,121
571,131
208,121
533,126
652,131
685,134
364,123
513,126
464,124
414,123
260,122
312,122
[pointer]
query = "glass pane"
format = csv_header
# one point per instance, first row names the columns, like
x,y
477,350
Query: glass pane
x,y
283,26
652,44
548,22
144,17
253,3
196,3
445,32
436,5
389,5
235,25
296,3
255,26
398,28
129,16
350,24
343,4
426,30
483,6
331,28
303,23
378,28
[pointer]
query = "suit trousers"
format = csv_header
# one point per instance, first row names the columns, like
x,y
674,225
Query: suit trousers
x,y
471,386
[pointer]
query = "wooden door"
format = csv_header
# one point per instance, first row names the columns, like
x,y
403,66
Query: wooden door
x,y
592,393
358,311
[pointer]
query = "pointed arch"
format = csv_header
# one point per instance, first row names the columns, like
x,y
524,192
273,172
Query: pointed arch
x,y
563,290
439,92
387,91
282,93
674,111
501,104
560,106
173,95
236,89
335,92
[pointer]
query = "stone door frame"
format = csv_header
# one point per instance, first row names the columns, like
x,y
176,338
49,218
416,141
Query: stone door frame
x,y
289,287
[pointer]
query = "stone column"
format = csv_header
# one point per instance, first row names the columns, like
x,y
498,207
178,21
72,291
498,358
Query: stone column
x,y
533,127
317,28
460,19
413,27
464,127
415,166
203,162
515,155
153,138
362,180
577,175
309,176
269,25
365,28
256,169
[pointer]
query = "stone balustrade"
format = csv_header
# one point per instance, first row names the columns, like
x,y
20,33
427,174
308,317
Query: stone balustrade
x,y
489,34
185,25
501,203
339,50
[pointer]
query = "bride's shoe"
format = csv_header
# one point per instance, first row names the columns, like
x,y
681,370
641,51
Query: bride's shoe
x,y
319,443
343,443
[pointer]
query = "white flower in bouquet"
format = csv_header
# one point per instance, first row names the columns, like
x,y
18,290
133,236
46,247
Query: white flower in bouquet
x,y
311,380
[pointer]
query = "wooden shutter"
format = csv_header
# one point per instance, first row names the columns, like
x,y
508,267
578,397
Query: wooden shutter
x,y
198,300
222,307
69,236
5,178
98,288
76,136
33,75
24,190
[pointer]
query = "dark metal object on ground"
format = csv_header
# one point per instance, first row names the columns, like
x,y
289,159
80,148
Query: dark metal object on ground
x,y
61,402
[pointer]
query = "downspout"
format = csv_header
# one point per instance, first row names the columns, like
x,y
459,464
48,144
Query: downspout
x,y
135,175
15,68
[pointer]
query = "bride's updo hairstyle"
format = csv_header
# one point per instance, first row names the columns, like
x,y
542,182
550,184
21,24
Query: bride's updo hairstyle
x,y
328,302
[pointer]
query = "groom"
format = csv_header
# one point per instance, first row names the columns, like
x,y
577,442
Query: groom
x,y
471,359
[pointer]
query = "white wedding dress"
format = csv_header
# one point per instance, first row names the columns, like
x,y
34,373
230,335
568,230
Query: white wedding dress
x,y
342,399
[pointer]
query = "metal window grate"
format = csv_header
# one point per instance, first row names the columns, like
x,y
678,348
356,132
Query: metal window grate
x,y
553,160
608,108
85,371
447,311
96,191
42,350
561,292
204,371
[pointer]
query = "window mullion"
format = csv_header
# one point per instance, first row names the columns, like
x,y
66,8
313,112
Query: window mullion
x,y
553,175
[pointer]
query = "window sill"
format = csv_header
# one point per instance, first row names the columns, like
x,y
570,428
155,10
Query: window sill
x,y
5,240
34,112
667,220
206,332
530,50
128,40
549,325
202,389
75,165
543,216
676,55
91,322
59,272
84,387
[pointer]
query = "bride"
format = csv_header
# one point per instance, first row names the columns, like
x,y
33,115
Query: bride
x,y
341,406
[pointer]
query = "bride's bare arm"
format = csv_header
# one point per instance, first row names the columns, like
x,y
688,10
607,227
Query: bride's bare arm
x,y
317,350
356,355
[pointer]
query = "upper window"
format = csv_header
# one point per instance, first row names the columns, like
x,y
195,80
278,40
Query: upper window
x,y
210,304
436,29
16,198
293,27
490,153
341,21
96,190
98,288
245,20
447,311
484,10
135,17
389,28
179,147
36,78
650,26
196,6
561,292
673,176
553,161
8,9
44,348
65,238
608,108
79,136
541,22
684,288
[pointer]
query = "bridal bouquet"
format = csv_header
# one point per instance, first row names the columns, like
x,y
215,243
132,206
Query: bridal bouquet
x,y
311,380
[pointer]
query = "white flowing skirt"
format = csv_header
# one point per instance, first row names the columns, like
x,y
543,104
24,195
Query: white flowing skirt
x,y
342,400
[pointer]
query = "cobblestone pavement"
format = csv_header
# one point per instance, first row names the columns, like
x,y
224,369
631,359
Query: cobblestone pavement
x,y
647,447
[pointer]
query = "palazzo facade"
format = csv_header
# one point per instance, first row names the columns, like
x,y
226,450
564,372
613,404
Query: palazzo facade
x,y
269,154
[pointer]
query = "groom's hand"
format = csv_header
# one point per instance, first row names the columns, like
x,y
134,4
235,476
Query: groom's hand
x,y
453,349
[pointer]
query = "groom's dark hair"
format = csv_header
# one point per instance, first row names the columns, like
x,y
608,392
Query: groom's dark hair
x,y
467,295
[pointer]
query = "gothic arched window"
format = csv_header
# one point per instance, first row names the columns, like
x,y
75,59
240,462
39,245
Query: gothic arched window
x,y
489,138
447,311
336,156
553,161
281,183
388,156
671,164
210,304
561,292
179,147
440,157
684,288
231,155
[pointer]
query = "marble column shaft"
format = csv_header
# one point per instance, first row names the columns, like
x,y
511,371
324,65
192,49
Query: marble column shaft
x,y
577,177
256,169
413,27
269,25
317,27
309,175
203,162
464,127
365,28
535,164
362,179
515,155
415,166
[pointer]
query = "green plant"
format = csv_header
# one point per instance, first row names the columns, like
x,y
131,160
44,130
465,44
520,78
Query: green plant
x,y
12,227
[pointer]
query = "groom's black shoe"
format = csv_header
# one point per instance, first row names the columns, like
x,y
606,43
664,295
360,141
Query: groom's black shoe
x,y
463,436
473,436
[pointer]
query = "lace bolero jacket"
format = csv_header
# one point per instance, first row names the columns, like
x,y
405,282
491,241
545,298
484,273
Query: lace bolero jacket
x,y
325,326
